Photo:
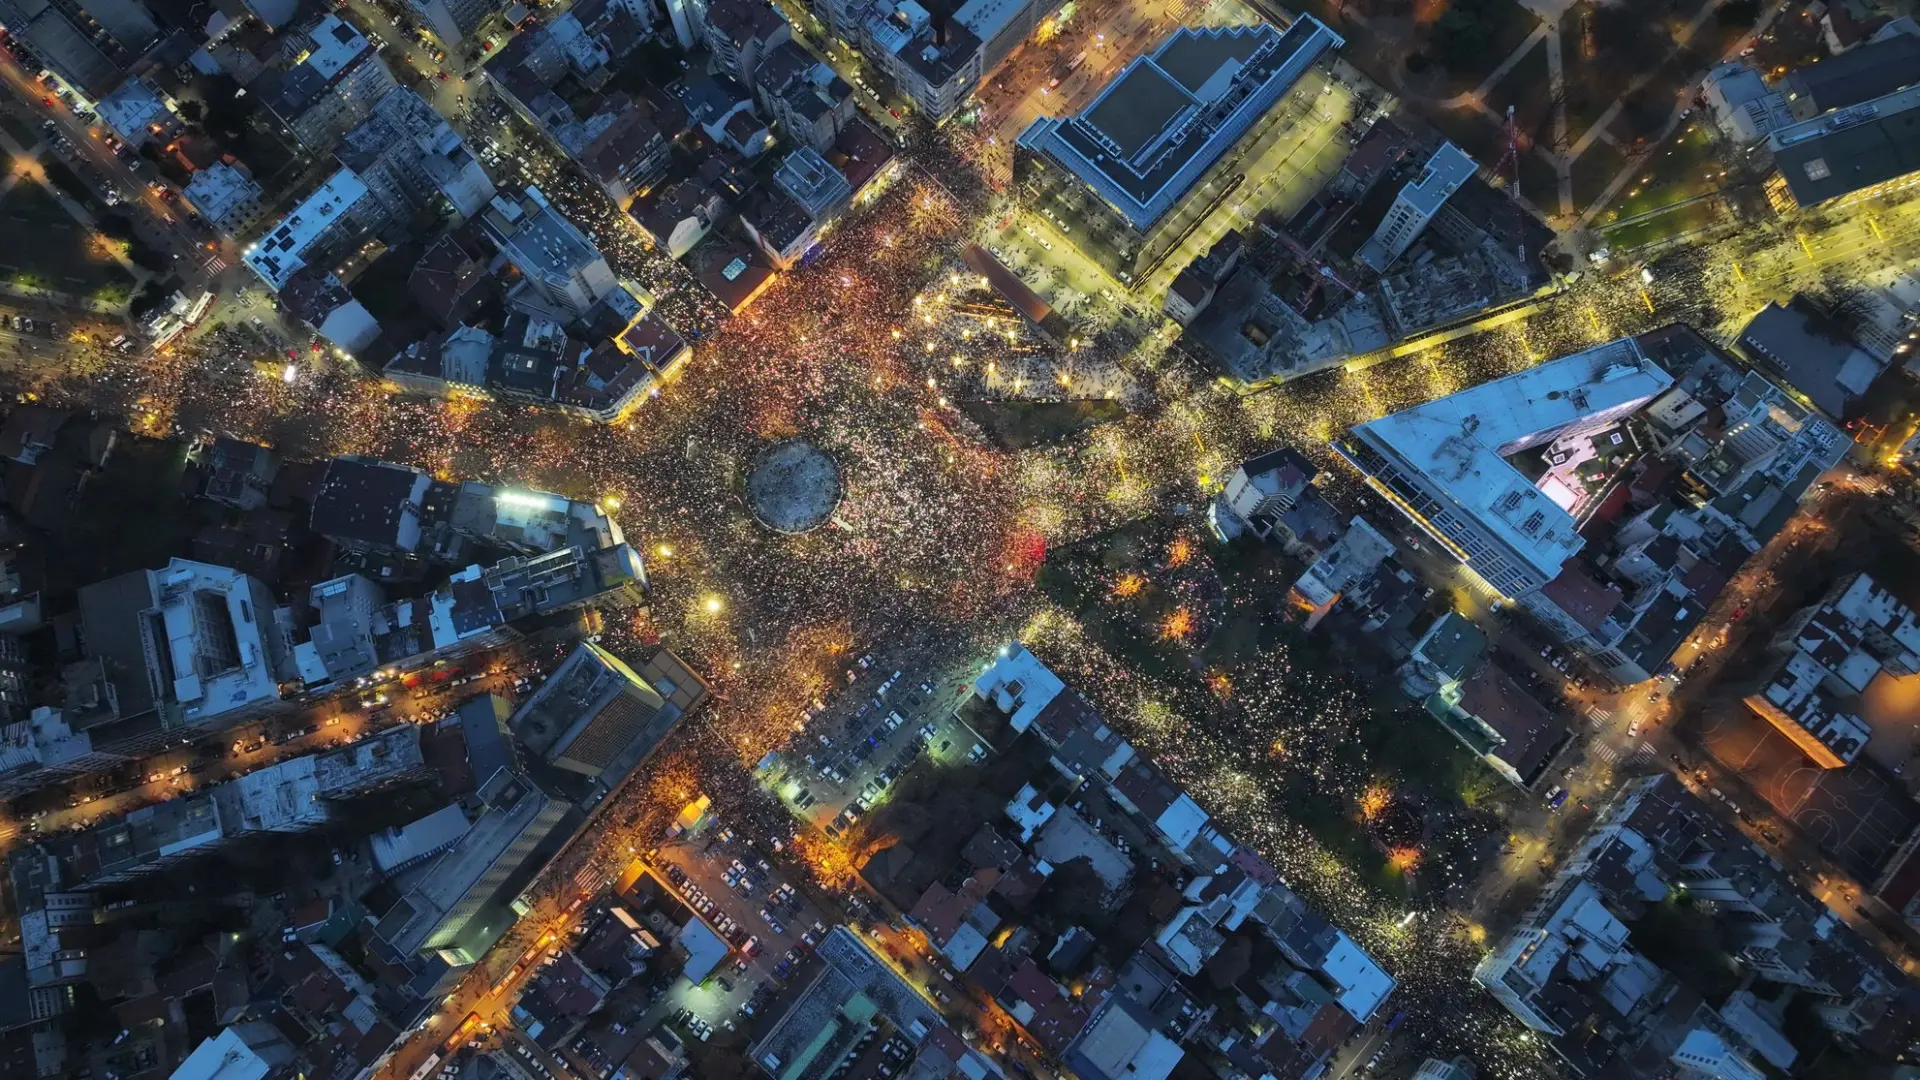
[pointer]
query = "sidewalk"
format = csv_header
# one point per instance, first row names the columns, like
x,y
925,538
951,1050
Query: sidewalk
x,y
1674,119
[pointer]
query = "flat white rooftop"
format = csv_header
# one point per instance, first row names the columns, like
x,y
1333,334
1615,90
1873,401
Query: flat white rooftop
x,y
1457,445
335,45
1446,170
279,253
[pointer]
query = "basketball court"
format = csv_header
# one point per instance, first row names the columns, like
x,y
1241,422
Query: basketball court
x,y
1856,814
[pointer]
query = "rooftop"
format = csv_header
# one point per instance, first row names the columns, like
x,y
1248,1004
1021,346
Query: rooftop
x,y
1459,444
853,988
1123,1042
226,1056
1528,733
538,238
591,709
370,502
1019,685
1858,75
1439,178
337,46
1168,117
1812,354
1839,153
277,255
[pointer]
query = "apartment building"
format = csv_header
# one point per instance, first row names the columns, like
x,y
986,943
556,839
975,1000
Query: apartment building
x,y
335,84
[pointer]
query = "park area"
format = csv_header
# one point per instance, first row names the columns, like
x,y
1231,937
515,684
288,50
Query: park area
x,y
1675,192
1322,730
1618,73
47,249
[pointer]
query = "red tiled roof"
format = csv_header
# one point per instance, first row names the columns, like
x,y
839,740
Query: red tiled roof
x,y
1580,596
1328,1029
1530,731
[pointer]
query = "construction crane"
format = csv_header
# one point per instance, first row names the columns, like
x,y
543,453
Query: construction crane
x,y
1322,272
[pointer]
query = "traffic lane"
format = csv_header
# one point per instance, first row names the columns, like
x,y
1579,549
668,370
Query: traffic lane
x,y
83,802
1373,1040
87,143
402,46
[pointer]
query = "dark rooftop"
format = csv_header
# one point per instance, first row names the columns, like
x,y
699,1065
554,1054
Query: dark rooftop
x,y
362,501
1857,75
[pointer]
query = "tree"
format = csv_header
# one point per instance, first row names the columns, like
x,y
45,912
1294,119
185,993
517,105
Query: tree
x,y
1227,966
1738,13
905,822
1464,35
1076,895
149,300
1623,31
192,111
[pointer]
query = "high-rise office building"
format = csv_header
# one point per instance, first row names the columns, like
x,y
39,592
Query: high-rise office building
x,y
88,45
1163,134
320,231
190,646
595,716
406,152
456,902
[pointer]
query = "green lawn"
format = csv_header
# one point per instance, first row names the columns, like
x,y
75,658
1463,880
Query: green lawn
x,y
1473,37
1539,183
1525,88
47,249
1677,170
1667,223
1594,170
1590,86
22,132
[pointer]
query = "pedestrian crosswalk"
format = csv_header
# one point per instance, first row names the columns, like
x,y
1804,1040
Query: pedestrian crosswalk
x,y
215,266
1608,754
1599,716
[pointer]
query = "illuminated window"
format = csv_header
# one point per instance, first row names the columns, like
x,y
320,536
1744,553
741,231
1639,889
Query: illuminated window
x,y
1817,169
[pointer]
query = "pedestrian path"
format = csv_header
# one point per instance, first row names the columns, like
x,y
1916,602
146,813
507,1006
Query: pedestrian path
x,y
1556,149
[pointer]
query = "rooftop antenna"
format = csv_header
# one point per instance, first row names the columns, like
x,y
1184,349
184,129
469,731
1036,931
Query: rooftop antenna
x,y
1510,168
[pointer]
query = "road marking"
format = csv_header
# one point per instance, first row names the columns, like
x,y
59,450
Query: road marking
x,y
1599,716
1605,752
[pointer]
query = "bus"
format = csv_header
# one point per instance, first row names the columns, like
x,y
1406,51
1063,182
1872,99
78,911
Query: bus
x,y
426,1067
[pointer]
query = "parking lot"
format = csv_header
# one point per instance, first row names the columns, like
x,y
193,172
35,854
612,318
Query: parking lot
x,y
849,747
770,923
